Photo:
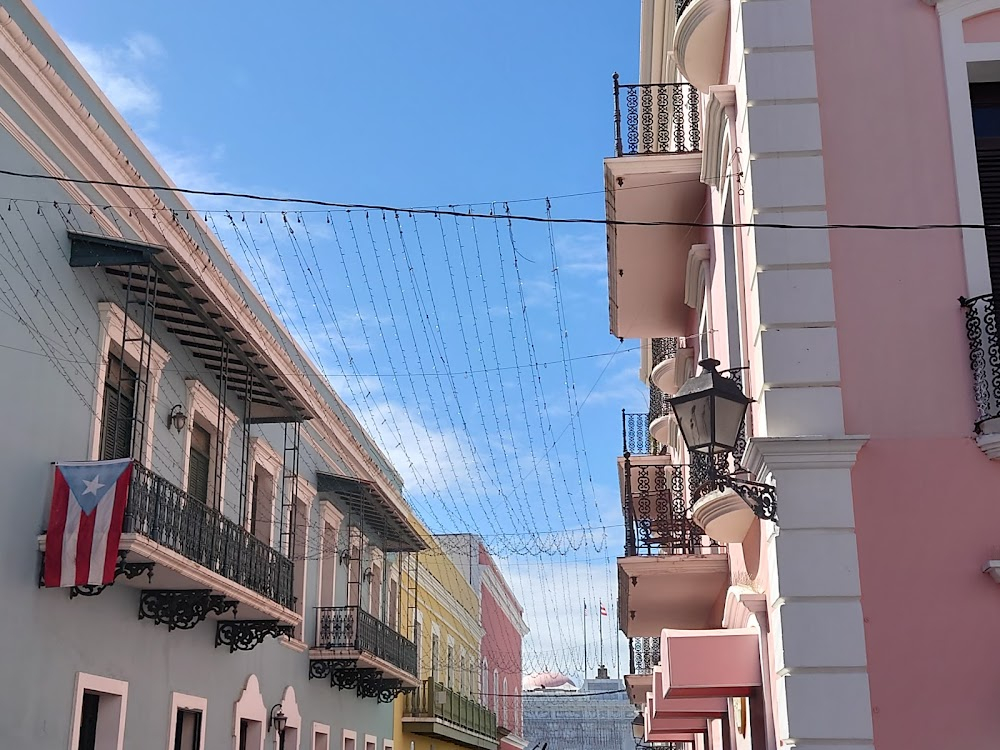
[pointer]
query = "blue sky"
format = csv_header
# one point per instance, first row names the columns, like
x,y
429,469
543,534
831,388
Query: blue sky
x,y
421,104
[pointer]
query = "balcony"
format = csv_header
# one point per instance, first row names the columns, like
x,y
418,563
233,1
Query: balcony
x,y
984,357
356,650
700,40
643,655
654,176
437,711
672,574
193,563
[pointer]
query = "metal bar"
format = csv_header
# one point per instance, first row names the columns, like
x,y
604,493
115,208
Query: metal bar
x,y
618,120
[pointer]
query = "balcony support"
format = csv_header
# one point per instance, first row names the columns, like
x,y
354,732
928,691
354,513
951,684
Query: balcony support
x,y
346,674
182,609
245,635
122,568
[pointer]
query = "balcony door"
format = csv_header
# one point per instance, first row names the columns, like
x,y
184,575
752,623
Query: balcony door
x,y
118,410
199,463
986,125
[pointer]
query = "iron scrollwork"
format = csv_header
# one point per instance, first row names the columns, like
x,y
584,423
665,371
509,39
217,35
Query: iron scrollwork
x,y
244,635
762,498
659,118
122,568
182,609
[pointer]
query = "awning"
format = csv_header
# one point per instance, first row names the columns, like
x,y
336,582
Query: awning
x,y
371,511
709,663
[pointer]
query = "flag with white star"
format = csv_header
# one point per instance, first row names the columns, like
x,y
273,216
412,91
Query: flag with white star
x,y
85,522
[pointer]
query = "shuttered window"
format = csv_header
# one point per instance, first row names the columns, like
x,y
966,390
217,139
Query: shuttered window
x,y
118,410
199,464
986,125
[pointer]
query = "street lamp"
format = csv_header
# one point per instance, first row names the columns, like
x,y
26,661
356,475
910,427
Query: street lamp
x,y
277,719
710,409
638,729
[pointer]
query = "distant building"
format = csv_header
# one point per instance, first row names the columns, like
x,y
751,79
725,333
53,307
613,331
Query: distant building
x,y
596,717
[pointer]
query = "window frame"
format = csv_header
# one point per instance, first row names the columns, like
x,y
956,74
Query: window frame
x,y
103,686
323,730
185,702
203,407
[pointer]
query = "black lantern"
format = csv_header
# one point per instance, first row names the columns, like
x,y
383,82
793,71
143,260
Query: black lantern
x,y
177,418
638,728
277,719
710,410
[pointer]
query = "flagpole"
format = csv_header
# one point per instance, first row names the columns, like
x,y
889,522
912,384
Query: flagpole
x,y
585,639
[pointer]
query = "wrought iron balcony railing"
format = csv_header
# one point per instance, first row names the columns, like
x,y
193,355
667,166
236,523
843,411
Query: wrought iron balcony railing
x,y
660,118
682,6
663,349
432,699
984,355
643,655
353,629
657,507
165,514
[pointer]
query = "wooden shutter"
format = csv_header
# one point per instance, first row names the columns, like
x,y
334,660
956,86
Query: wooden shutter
x,y
199,464
118,410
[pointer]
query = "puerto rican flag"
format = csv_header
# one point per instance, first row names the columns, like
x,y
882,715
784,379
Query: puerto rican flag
x,y
85,522
604,610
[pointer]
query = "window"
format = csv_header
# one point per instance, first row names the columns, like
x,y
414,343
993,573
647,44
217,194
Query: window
x,y
350,740
199,463
418,636
392,605
505,701
986,126
451,666
376,592
118,411
98,713
321,736
299,525
249,716
461,674
187,730
187,718
354,577
484,684
328,566
261,503
435,656
496,691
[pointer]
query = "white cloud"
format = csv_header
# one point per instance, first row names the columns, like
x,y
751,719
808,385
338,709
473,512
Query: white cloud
x,y
117,70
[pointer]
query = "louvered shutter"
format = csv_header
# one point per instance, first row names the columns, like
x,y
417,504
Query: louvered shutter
x,y
118,411
199,464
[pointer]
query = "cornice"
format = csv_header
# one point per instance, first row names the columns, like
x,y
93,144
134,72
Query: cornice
x,y
66,121
449,607
505,599
765,455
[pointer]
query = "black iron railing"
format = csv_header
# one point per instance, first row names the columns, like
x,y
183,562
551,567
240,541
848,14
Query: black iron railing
x,y
660,118
662,350
643,655
635,434
984,355
433,699
165,514
353,629
658,499
682,6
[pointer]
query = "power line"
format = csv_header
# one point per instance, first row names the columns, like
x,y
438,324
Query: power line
x,y
492,216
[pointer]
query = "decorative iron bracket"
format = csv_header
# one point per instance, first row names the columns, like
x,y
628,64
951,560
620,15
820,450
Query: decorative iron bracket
x,y
122,568
184,608
762,498
391,689
345,674
244,635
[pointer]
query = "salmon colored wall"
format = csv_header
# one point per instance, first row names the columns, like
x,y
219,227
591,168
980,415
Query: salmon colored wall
x,y
982,28
926,518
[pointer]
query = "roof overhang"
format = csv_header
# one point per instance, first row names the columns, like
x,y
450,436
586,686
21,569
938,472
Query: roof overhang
x,y
373,511
185,310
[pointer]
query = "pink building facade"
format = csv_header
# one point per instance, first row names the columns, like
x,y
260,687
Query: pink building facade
x,y
503,623
828,627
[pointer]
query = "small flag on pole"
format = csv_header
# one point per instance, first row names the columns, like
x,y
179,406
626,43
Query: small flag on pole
x,y
604,610
85,522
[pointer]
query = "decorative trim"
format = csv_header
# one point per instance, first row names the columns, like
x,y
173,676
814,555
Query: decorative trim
x,y
290,706
371,742
251,707
245,635
112,330
430,585
349,734
106,686
182,609
766,455
323,730
715,135
188,703
694,282
505,598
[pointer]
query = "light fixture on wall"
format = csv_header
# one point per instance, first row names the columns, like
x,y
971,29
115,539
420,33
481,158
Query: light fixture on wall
x,y
277,719
345,557
177,418
710,410
368,574
638,728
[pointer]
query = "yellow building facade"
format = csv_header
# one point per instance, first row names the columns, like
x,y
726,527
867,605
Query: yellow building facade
x,y
445,712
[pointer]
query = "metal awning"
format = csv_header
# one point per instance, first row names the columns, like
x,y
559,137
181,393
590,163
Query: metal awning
x,y
373,511
209,333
